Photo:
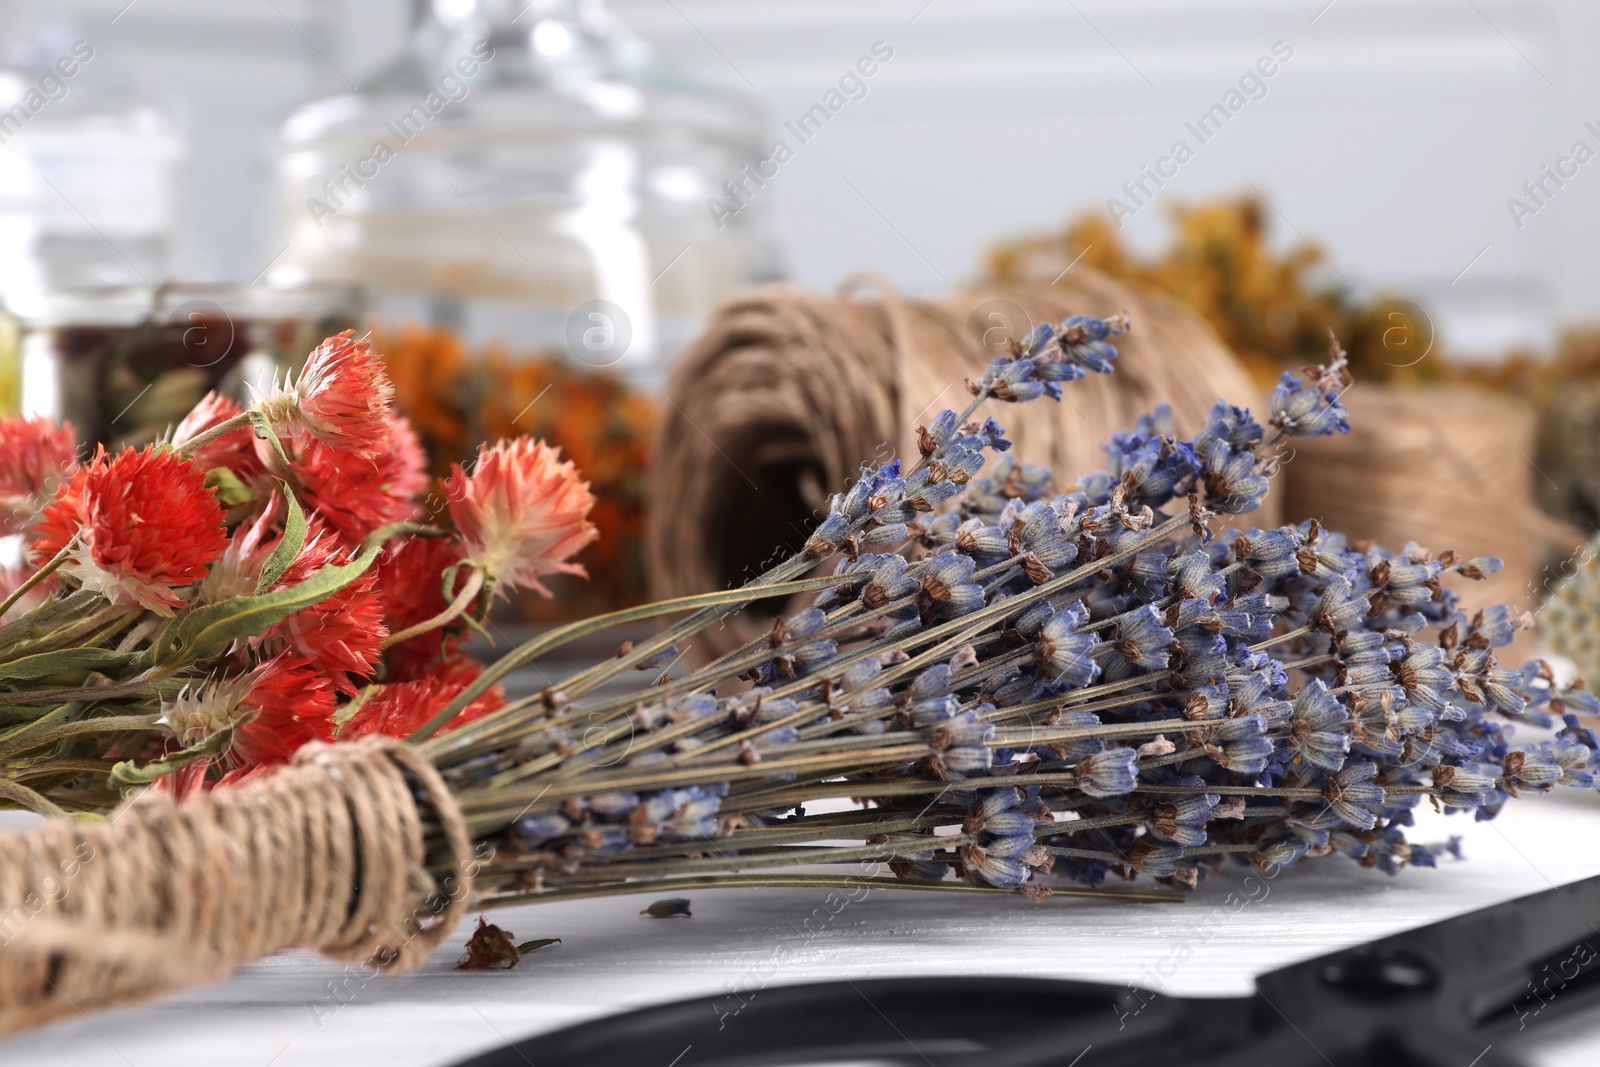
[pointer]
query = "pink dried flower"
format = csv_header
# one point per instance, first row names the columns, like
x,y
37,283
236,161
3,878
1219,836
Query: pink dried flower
x,y
37,458
238,569
521,512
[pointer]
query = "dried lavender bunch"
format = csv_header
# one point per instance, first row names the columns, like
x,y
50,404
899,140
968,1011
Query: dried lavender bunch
x,y
1027,689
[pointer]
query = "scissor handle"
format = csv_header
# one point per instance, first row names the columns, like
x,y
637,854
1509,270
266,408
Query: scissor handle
x,y
1462,984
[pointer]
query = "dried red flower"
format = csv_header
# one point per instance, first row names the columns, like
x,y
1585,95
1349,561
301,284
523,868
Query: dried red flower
x,y
342,634
235,451
398,708
410,575
282,704
341,398
522,512
357,494
37,458
146,526
293,702
407,470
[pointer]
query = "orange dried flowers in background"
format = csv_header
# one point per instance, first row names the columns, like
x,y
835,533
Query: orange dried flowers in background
x,y
456,398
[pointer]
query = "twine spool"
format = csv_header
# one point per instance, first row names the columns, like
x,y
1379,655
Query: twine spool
x,y
326,854
1443,466
788,392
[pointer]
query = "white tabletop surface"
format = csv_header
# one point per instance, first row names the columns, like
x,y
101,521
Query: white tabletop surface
x,y
297,1010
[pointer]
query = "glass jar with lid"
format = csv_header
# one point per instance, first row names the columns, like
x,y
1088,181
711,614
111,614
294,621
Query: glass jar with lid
x,y
88,168
123,364
525,173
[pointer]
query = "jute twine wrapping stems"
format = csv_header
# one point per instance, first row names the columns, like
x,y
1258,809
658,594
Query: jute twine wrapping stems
x,y
330,853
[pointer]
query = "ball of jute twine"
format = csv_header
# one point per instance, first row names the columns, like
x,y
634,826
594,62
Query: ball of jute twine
x,y
1445,466
788,392
325,854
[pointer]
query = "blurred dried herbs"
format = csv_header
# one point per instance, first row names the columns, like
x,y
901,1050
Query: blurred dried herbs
x,y
1570,618
1566,392
455,398
1274,309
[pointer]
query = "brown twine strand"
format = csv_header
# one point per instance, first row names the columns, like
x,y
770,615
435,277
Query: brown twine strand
x,y
788,392
325,854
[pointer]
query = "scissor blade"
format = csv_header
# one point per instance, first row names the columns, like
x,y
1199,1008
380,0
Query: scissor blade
x,y
1475,975
953,1022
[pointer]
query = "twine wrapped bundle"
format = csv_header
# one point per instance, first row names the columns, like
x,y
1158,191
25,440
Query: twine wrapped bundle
x,y
373,848
328,854
788,392
1439,465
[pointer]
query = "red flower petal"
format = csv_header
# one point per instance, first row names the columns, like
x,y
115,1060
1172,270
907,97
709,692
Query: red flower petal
x,y
236,450
293,702
148,525
397,709
357,494
343,633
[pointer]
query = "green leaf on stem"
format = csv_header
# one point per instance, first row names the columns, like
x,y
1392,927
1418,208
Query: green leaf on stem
x,y
42,665
263,428
205,631
289,546
229,489
127,774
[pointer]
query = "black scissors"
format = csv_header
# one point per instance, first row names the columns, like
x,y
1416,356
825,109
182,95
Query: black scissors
x,y
1457,993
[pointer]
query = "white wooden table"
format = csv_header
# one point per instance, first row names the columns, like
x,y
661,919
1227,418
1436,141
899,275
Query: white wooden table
x,y
300,1011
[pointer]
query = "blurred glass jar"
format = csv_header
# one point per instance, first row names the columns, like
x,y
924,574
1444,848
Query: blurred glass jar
x,y
524,173
125,364
87,177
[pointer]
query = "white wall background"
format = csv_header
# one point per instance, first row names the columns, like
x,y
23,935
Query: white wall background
x,y
1394,136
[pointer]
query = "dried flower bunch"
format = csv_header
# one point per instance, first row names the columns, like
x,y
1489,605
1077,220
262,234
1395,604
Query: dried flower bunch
x,y
1031,689
197,610
1024,689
